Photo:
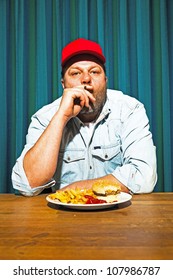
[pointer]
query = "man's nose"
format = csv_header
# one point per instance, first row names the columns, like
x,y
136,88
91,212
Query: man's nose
x,y
86,78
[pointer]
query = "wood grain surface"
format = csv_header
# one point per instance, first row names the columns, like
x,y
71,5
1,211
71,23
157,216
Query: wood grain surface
x,y
32,228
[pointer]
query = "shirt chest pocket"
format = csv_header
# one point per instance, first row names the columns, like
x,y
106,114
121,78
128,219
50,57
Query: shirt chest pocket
x,y
71,156
70,165
110,156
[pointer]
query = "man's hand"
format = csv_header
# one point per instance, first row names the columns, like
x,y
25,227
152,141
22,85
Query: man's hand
x,y
74,100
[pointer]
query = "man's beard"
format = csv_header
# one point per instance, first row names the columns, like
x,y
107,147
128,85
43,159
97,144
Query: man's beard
x,y
94,109
88,110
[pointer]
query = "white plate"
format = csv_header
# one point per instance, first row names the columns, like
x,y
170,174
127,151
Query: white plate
x,y
122,197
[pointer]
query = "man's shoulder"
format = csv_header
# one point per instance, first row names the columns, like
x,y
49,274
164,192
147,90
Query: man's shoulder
x,y
116,96
48,110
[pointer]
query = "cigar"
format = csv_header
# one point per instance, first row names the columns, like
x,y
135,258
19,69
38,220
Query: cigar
x,y
89,88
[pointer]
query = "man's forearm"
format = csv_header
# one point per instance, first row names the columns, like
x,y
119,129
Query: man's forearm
x,y
40,161
87,184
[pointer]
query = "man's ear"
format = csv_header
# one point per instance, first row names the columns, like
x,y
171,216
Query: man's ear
x,y
62,83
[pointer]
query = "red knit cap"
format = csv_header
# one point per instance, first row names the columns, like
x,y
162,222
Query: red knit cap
x,y
81,46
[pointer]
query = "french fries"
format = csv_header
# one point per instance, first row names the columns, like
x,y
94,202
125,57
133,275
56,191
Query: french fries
x,y
74,196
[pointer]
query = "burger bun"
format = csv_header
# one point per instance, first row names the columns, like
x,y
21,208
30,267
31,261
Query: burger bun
x,y
106,190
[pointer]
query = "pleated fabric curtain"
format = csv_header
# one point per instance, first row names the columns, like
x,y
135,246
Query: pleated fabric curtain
x,y
137,39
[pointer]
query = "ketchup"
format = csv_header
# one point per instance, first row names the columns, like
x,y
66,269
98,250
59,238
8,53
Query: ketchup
x,y
93,200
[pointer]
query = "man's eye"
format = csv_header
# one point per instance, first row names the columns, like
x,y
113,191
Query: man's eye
x,y
75,73
95,72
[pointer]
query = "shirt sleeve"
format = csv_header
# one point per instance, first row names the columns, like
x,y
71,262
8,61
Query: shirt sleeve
x,y
138,171
19,179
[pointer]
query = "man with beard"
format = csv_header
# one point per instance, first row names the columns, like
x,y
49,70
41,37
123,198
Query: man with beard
x,y
91,133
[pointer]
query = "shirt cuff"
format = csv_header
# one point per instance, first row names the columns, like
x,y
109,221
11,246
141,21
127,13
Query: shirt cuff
x,y
20,181
26,190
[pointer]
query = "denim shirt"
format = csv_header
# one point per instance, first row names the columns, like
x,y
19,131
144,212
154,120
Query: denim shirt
x,y
119,143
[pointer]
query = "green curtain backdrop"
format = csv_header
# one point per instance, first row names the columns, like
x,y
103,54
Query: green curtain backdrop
x,y
137,39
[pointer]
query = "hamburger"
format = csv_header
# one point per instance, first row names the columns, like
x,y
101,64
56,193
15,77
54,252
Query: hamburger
x,y
106,190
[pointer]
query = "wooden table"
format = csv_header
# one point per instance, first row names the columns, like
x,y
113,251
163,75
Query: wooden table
x,y
33,229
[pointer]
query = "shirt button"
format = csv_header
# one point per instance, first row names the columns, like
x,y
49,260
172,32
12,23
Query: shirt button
x,y
68,158
106,156
90,167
